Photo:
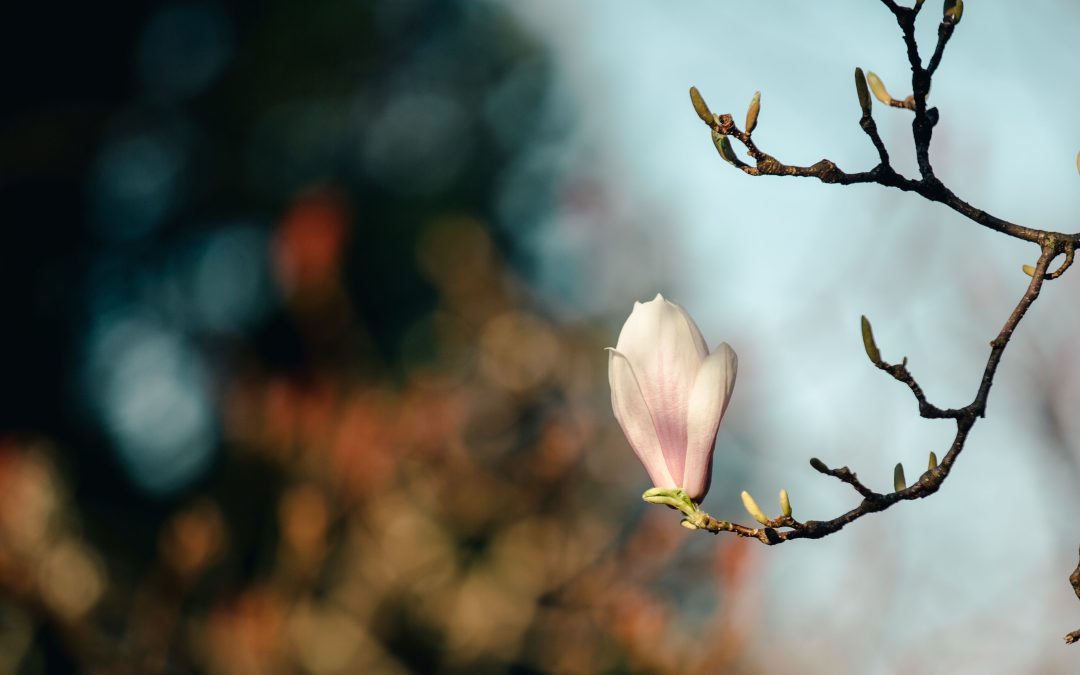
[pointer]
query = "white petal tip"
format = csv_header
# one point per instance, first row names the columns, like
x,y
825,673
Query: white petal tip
x,y
725,348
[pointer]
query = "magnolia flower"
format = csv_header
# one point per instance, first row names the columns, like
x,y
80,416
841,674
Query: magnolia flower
x,y
669,393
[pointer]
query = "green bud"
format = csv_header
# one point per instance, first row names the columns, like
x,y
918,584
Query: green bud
x,y
752,508
752,112
860,89
933,462
688,525
723,146
700,108
898,480
818,465
868,342
878,87
1028,270
785,503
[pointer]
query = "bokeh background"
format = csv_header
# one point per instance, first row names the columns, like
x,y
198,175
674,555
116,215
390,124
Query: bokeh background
x,y
303,315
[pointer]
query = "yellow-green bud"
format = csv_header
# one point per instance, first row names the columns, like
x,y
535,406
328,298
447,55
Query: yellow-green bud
x,y
899,482
700,108
878,87
753,509
933,461
752,112
785,503
1028,270
869,345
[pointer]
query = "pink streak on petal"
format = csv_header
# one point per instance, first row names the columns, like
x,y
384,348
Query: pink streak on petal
x,y
636,420
708,401
662,344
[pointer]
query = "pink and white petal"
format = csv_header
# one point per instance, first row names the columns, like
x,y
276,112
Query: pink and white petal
x,y
642,327
661,326
661,344
695,332
636,420
708,401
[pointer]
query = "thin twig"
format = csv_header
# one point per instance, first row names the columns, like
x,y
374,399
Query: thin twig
x,y
1069,253
945,31
883,174
845,475
927,410
930,481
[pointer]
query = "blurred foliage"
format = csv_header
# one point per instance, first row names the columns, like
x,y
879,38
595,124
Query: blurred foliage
x,y
279,396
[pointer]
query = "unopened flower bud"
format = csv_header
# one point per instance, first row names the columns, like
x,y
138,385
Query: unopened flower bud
x,y
933,461
668,393
899,482
753,509
878,87
869,345
700,108
752,112
860,89
953,10
785,503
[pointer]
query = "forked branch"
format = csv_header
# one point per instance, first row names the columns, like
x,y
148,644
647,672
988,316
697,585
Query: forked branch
x,y
1051,245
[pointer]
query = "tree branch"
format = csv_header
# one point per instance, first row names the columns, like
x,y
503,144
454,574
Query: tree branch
x,y
883,174
928,186
930,481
